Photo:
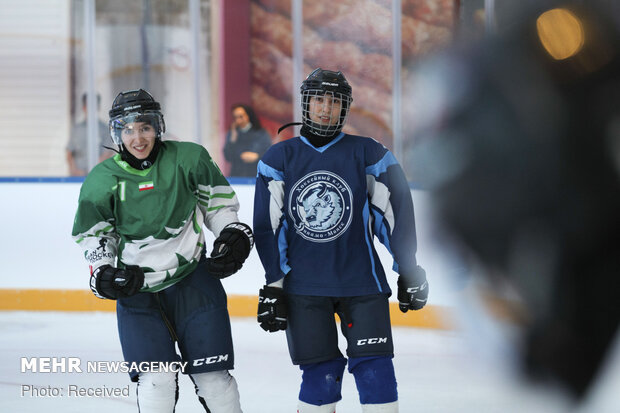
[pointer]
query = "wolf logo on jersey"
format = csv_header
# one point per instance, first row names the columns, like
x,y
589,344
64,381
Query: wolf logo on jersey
x,y
320,205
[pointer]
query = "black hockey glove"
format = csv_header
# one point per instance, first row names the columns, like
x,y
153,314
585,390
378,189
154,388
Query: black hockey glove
x,y
412,289
113,283
230,250
272,309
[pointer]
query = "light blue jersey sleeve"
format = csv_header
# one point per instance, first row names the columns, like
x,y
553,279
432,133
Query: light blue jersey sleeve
x,y
269,220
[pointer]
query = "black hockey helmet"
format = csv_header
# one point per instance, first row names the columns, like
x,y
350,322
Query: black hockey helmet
x,y
325,82
135,106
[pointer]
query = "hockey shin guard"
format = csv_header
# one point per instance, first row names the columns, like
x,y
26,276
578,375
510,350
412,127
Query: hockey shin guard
x,y
157,392
321,382
219,391
375,379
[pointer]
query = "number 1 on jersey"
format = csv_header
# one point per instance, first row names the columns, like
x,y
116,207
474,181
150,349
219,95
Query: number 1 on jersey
x,y
121,190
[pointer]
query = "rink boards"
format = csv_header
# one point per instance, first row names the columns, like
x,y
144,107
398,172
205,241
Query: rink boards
x,y
44,269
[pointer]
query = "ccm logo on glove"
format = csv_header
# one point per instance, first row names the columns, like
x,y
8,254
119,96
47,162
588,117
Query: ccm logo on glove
x,y
412,289
272,309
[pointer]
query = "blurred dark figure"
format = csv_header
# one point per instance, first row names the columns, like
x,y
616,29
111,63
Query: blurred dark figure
x,y
246,142
523,159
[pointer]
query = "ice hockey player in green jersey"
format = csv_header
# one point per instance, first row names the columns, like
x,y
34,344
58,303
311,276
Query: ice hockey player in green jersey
x,y
139,222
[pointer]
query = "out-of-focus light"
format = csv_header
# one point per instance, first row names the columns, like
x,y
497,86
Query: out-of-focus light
x,y
561,33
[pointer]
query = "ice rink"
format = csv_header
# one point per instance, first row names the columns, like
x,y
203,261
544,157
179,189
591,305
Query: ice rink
x,y
463,370
437,371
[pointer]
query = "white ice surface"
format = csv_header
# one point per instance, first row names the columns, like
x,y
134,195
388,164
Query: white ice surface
x,y
436,371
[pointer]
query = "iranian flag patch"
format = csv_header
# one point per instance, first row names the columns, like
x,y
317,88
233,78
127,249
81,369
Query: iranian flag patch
x,y
145,186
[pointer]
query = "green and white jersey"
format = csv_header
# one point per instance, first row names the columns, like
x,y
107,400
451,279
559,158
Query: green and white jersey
x,y
153,218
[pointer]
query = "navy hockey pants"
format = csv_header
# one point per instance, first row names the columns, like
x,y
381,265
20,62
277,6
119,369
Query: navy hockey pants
x,y
191,312
312,334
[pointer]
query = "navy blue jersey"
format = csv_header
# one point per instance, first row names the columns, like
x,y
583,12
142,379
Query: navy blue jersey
x,y
317,211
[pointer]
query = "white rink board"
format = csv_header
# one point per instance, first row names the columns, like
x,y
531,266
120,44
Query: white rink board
x,y
38,252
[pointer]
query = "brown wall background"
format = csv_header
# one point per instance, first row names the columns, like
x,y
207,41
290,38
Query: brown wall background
x,y
354,36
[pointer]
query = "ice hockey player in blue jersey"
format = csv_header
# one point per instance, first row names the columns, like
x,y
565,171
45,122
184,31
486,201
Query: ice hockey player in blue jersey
x,y
320,200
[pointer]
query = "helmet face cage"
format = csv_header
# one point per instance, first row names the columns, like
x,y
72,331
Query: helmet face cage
x,y
328,123
119,123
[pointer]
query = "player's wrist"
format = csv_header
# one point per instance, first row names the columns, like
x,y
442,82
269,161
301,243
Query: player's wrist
x,y
277,284
412,276
272,291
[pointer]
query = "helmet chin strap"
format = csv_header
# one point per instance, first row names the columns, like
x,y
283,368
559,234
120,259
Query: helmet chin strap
x,y
141,164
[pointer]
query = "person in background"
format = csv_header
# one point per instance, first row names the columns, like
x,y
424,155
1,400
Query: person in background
x,y
246,142
140,224
320,200
77,147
